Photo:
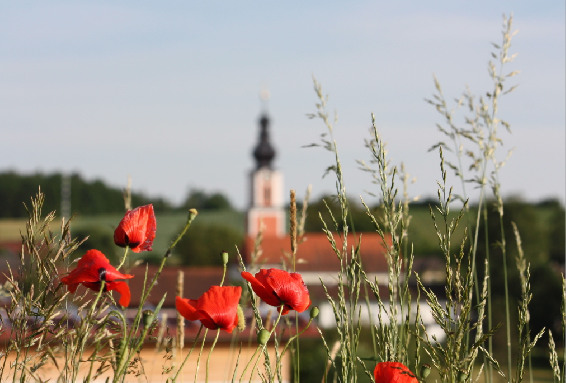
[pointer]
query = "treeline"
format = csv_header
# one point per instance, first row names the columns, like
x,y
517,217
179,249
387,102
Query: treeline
x,y
87,197
542,230
541,224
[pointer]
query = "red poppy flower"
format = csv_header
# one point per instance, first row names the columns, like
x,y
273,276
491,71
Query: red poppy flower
x,y
136,229
216,308
93,268
393,372
278,287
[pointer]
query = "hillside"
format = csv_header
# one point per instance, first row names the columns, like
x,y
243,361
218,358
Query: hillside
x,y
101,228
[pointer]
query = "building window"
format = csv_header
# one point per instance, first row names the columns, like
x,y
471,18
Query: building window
x,y
267,195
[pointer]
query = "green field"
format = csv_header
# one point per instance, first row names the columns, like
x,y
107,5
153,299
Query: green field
x,y
421,230
168,225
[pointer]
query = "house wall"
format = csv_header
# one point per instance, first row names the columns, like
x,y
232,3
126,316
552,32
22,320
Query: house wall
x,y
221,369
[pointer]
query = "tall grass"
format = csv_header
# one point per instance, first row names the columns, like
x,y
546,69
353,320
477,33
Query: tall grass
x,y
47,325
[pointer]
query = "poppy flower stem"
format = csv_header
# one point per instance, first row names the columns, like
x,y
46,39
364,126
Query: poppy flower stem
x,y
192,215
259,347
123,258
87,321
210,353
188,355
200,354
124,326
291,339
224,263
297,346
263,347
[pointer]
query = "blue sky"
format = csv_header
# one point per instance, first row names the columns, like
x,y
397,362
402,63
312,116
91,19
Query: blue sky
x,y
167,92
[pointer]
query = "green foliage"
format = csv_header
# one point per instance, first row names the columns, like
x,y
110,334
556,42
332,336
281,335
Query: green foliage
x,y
202,201
97,237
556,235
87,197
513,241
313,360
358,219
536,242
206,243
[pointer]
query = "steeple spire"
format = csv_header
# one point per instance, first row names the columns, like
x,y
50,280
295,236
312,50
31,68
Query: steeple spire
x,y
264,152
265,213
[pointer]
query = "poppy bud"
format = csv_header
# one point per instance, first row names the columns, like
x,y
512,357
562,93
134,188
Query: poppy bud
x,y
241,319
314,312
425,371
263,336
224,258
147,317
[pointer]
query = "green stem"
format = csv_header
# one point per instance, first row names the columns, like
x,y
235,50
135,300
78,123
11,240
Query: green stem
x,y
192,215
507,310
489,369
272,378
87,322
210,353
297,350
296,336
121,373
123,258
250,361
188,355
224,264
200,354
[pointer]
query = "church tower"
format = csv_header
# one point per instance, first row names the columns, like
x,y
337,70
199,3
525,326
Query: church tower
x,y
266,211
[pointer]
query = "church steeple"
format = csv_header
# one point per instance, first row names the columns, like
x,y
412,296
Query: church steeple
x,y
265,212
264,153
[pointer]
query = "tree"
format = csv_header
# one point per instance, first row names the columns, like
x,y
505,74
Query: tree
x,y
358,218
546,295
556,235
100,238
201,200
87,197
204,244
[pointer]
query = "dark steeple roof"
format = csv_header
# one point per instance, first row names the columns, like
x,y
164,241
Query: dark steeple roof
x,y
264,152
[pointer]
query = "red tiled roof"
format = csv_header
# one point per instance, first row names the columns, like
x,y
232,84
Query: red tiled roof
x,y
315,253
196,281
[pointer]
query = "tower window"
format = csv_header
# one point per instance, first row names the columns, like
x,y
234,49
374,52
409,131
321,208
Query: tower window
x,y
267,195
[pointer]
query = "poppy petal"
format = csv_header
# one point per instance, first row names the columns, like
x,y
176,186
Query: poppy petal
x,y
278,287
290,289
95,286
220,304
186,307
209,323
260,287
394,372
93,268
137,229
123,289
87,268
111,274
71,286
217,308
